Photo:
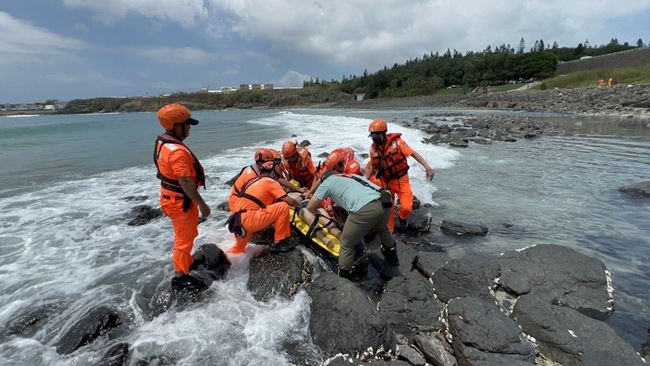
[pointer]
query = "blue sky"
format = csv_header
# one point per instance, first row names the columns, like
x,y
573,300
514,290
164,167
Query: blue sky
x,y
68,49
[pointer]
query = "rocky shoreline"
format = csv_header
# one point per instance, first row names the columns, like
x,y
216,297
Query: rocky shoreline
x,y
626,101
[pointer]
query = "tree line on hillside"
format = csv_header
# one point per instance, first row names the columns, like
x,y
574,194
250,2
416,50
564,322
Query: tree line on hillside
x,y
503,64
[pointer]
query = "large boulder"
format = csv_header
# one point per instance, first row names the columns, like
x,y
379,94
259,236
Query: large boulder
x,y
88,328
343,319
558,274
569,337
410,305
482,334
641,188
278,274
469,276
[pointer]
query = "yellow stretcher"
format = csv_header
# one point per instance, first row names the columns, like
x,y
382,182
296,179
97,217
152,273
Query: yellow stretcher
x,y
303,227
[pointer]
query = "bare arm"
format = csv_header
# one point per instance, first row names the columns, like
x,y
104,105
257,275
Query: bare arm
x,y
314,186
190,190
425,165
291,201
313,205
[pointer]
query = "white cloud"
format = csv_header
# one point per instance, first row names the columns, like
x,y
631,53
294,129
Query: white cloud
x,y
184,12
292,79
176,55
22,42
372,32
377,33
88,78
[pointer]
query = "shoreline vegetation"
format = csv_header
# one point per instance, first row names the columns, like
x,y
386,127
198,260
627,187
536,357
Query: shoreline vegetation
x,y
631,101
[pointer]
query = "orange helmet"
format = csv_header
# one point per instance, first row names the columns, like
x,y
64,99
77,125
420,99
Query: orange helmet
x,y
277,160
263,155
276,156
289,149
334,160
172,114
378,126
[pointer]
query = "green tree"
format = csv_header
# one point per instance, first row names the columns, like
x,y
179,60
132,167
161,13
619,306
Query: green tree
x,y
522,46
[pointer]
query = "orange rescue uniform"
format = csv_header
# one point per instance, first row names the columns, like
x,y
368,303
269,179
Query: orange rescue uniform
x,y
255,218
175,160
351,165
303,169
246,175
391,172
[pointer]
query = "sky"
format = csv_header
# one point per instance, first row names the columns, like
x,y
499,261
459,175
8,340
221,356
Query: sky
x,y
79,49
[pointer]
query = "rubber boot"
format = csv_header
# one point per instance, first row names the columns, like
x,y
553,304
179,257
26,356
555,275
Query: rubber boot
x,y
350,274
390,254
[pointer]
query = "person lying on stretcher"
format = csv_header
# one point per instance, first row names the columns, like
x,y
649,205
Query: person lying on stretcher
x,y
330,216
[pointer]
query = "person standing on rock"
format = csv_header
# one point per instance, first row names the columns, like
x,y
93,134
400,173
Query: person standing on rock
x,y
361,199
389,165
180,174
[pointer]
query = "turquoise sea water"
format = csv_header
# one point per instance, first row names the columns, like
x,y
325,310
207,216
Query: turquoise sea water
x,y
64,239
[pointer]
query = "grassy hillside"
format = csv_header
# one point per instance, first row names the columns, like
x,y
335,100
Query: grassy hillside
x,y
625,75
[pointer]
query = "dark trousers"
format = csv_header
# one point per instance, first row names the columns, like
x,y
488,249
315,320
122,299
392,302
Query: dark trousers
x,y
372,216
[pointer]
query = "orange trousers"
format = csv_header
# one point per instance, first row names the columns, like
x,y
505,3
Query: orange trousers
x,y
254,221
185,230
402,188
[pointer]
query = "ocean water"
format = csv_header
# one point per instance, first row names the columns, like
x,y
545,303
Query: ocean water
x,y
64,241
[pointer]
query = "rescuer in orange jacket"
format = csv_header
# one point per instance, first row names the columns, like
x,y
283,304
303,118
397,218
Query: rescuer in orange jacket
x,y
261,202
263,156
298,162
180,174
389,164
351,165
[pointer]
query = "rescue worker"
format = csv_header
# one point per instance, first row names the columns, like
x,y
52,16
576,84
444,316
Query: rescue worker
x,y
298,162
261,202
180,174
388,163
361,199
351,165
261,157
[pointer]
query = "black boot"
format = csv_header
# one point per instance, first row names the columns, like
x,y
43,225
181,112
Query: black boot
x,y
390,254
350,274
283,246
187,282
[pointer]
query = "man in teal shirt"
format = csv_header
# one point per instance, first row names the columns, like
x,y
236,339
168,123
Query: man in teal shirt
x,y
365,213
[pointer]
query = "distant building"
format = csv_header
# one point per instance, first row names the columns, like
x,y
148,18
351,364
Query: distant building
x,y
256,86
228,89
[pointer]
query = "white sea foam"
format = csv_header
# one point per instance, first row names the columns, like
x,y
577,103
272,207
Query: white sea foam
x,y
65,241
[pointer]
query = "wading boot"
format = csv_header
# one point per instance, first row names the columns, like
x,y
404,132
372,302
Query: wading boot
x,y
390,254
350,274
283,246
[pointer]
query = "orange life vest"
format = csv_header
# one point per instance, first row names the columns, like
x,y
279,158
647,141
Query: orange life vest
x,y
389,161
171,183
351,166
304,169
